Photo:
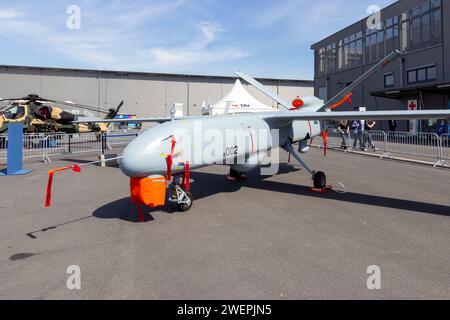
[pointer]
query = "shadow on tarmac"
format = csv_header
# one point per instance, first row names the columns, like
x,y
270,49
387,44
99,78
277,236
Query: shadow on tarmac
x,y
207,184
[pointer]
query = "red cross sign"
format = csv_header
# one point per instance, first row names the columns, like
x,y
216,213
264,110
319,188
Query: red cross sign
x,y
412,105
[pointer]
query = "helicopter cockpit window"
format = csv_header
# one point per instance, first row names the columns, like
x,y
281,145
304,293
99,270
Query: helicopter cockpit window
x,y
15,113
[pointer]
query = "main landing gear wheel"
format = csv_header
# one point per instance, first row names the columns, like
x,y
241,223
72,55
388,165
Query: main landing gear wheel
x,y
320,180
235,176
187,204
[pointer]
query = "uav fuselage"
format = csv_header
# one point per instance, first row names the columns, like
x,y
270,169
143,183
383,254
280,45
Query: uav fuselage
x,y
241,141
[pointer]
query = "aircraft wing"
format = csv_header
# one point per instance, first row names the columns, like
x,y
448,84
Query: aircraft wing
x,y
284,118
140,120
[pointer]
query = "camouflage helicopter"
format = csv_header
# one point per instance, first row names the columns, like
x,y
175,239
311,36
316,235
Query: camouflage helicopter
x,y
39,115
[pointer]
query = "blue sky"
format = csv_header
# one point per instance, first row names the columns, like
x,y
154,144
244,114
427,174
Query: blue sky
x,y
266,38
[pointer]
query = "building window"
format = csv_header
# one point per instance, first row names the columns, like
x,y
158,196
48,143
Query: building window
x,y
426,25
404,31
412,76
422,74
414,29
323,93
374,42
322,60
331,58
389,80
351,51
327,59
392,34
432,73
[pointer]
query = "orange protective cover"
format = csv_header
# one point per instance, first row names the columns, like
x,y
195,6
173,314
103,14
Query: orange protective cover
x,y
149,191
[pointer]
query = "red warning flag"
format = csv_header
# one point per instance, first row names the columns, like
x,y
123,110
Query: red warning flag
x,y
347,98
48,198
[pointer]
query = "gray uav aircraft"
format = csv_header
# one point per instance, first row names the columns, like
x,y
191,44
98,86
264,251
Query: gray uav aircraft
x,y
147,155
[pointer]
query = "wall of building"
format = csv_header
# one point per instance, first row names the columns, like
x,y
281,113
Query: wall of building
x,y
144,94
416,56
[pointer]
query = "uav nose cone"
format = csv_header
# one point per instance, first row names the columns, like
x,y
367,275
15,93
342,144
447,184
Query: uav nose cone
x,y
142,157
132,164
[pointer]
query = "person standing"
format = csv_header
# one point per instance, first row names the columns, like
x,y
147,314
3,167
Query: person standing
x,y
441,129
392,125
358,131
344,130
368,137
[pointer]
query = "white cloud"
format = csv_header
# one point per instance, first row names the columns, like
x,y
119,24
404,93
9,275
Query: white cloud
x,y
127,46
9,14
280,11
200,51
179,57
307,22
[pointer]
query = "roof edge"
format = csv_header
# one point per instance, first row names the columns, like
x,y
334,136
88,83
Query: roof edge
x,y
183,75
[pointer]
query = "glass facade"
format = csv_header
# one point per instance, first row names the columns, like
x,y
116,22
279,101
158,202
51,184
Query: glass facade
x,y
418,28
422,74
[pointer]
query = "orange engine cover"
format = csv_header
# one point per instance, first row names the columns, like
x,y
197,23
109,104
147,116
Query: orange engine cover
x,y
149,191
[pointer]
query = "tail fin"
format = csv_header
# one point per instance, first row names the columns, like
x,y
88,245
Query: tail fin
x,y
346,94
313,105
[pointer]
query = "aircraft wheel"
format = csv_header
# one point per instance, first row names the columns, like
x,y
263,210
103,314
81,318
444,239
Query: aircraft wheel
x,y
236,175
183,207
320,180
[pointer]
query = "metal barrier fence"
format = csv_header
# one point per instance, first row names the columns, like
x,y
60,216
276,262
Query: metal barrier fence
x,y
118,139
415,144
445,150
3,146
56,144
46,146
385,145
33,145
374,140
84,143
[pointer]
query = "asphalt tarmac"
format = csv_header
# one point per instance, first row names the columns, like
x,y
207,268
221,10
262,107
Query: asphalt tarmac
x,y
263,238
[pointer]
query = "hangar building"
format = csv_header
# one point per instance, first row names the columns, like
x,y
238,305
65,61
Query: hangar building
x,y
145,94
419,80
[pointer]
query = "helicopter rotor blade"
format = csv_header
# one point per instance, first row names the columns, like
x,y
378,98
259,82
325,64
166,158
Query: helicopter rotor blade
x,y
13,99
118,109
78,105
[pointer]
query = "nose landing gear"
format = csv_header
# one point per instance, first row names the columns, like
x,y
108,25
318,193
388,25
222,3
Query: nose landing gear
x,y
181,198
180,191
